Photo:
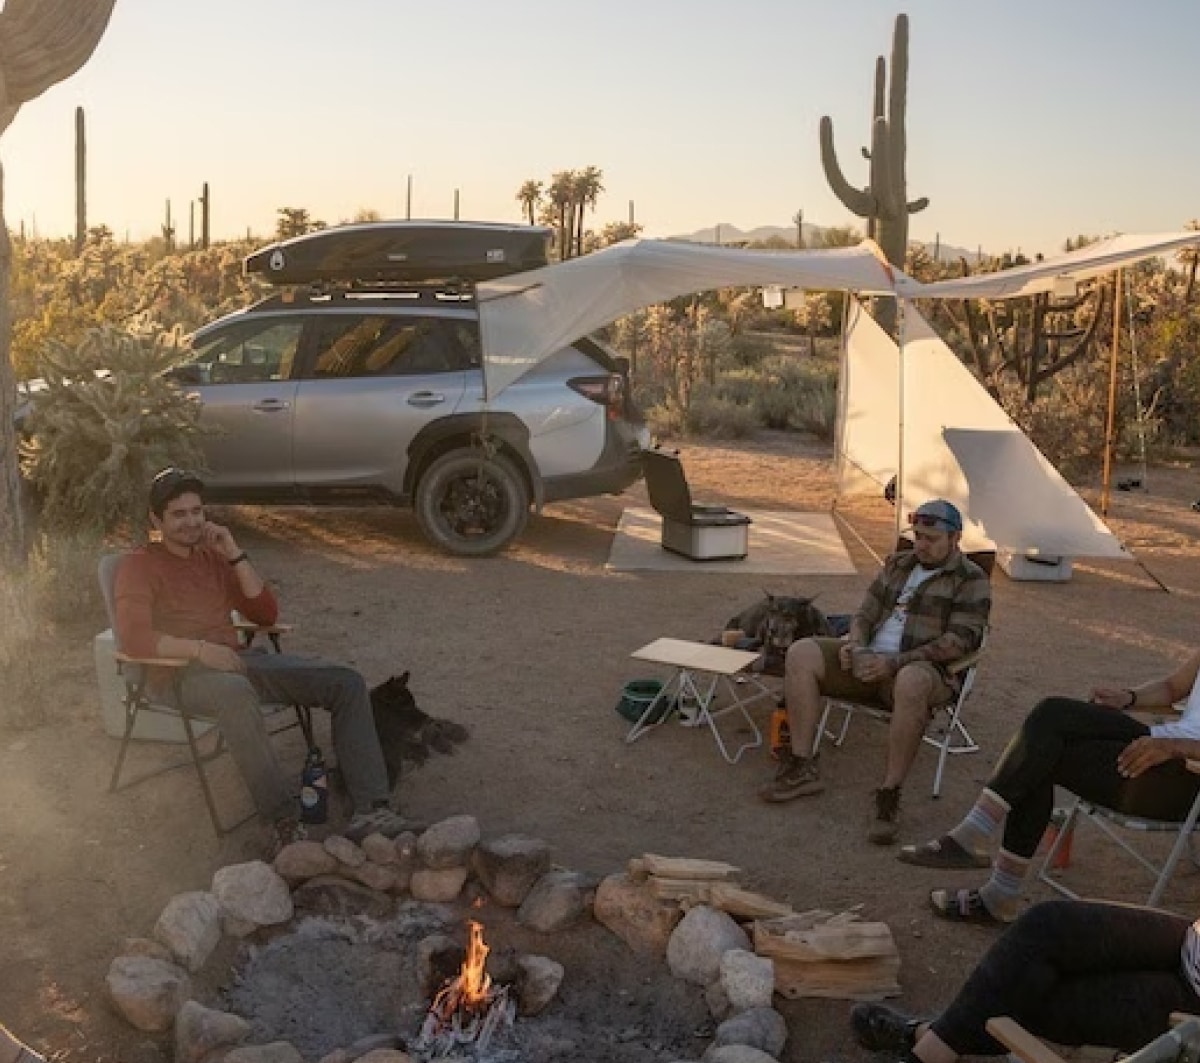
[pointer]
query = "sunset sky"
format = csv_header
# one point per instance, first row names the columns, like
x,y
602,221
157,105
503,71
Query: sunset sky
x,y
1028,121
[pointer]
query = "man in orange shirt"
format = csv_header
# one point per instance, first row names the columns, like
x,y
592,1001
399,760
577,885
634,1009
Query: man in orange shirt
x,y
174,598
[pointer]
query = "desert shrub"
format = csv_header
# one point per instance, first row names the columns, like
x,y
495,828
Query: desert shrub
x,y
108,419
1066,421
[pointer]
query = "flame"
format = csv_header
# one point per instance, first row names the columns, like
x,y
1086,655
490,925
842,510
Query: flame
x,y
471,989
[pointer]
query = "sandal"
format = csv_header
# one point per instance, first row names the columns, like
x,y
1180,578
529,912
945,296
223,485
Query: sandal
x,y
963,906
944,853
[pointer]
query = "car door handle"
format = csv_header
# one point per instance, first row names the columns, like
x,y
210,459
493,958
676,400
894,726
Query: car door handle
x,y
425,399
271,405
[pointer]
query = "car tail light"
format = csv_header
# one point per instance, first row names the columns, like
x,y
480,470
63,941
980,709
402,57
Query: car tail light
x,y
607,390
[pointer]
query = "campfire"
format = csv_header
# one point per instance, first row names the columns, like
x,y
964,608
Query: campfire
x,y
469,1008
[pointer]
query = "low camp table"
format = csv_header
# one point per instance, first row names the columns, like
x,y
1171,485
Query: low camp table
x,y
700,670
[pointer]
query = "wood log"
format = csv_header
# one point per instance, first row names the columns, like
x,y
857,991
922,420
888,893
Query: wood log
x,y
682,867
874,978
839,956
693,891
745,903
829,941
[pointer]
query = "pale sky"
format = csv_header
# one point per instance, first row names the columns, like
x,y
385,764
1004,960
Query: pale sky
x,y
1028,120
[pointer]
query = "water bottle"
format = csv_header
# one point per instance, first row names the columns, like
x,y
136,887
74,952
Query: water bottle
x,y
314,788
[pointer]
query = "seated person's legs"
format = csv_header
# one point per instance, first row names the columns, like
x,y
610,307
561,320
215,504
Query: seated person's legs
x,y
231,700
343,692
812,673
1069,971
917,689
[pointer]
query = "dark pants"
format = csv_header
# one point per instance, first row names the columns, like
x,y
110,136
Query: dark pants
x,y
1076,973
235,702
1075,744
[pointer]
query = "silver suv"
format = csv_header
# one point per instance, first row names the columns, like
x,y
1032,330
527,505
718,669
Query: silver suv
x,y
372,394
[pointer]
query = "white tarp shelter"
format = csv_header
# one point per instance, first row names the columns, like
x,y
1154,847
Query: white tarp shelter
x,y
922,416
916,408
526,317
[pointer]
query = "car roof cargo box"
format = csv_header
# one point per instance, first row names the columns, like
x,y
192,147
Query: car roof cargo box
x,y
403,251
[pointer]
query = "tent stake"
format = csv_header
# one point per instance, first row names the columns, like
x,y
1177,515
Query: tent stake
x,y
1109,431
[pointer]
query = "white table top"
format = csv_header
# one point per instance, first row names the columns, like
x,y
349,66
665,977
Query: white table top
x,y
700,656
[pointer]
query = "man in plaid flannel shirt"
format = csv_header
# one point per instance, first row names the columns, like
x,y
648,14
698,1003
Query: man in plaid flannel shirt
x,y
927,608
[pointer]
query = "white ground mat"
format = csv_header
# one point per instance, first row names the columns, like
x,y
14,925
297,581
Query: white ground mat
x,y
781,544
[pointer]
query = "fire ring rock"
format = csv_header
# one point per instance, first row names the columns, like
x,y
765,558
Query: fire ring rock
x,y
190,926
728,1054
509,866
697,944
635,915
253,893
537,983
200,1030
449,843
761,1028
304,860
558,899
146,991
748,980
275,1052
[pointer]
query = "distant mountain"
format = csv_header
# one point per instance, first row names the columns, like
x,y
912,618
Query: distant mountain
x,y
726,234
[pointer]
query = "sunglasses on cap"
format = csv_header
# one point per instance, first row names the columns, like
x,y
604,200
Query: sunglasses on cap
x,y
171,477
930,520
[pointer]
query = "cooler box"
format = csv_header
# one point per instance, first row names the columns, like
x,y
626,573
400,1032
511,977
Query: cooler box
x,y
150,726
692,529
1030,567
720,537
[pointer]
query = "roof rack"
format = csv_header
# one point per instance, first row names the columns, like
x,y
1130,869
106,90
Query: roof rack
x,y
379,256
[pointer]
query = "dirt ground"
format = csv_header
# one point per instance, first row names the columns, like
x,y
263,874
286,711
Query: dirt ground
x,y
530,651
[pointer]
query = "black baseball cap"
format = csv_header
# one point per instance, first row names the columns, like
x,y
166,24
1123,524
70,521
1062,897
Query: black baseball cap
x,y
169,484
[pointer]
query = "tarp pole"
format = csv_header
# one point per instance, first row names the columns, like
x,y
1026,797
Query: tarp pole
x,y
1110,441
901,305
839,435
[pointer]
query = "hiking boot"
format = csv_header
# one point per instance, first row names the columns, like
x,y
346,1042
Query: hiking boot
x,y
879,1028
886,824
380,820
795,777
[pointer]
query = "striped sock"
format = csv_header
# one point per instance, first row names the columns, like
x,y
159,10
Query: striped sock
x,y
1002,891
981,824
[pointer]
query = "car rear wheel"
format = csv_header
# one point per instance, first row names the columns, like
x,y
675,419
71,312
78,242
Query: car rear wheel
x,y
471,504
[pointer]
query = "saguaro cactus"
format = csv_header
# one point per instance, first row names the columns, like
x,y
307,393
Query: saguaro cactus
x,y
884,201
80,180
205,208
42,42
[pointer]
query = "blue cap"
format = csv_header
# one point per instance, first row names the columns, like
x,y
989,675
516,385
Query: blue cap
x,y
937,514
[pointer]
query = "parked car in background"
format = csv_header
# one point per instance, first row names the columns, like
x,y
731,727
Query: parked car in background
x,y
371,390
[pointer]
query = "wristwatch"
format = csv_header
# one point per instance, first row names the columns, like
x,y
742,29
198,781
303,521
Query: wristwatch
x,y
243,556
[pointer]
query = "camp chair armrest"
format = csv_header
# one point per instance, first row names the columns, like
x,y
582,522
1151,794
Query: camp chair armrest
x,y
963,663
1020,1042
157,662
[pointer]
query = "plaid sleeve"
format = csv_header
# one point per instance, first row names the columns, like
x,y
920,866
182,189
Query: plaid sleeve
x,y
963,630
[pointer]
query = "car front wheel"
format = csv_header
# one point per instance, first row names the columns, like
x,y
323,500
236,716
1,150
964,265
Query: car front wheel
x,y
471,504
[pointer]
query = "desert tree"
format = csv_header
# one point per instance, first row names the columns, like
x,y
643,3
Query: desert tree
x,y
559,204
1190,257
529,195
42,42
586,187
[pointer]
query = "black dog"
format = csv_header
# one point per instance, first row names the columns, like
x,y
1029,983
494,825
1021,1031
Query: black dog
x,y
774,623
407,733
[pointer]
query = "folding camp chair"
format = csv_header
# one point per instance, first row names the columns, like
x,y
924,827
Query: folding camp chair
x,y
138,699
1109,822
1181,1044
946,731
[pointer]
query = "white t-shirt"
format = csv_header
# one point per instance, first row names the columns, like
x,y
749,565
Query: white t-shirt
x,y
887,636
1188,724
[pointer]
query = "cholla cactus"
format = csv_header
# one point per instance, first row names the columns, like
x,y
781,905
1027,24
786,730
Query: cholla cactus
x,y
41,43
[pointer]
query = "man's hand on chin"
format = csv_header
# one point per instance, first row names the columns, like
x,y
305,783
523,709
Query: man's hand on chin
x,y
221,539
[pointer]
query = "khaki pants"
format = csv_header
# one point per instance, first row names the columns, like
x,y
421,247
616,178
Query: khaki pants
x,y
841,684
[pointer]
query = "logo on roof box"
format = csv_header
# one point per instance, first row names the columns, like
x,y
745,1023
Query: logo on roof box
x,y
397,256
278,260
495,254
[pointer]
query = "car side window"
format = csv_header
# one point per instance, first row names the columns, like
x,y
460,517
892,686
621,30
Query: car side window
x,y
250,352
369,345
